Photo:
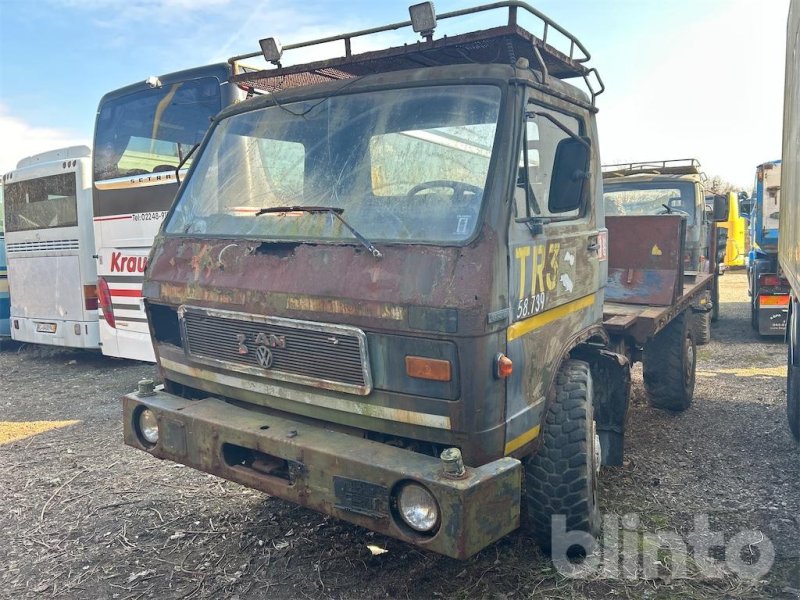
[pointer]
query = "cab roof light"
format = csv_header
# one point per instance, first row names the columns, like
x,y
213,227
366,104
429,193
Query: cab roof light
x,y
423,18
272,50
434,369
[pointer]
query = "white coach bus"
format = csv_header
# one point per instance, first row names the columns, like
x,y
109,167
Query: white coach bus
x,y
142,134
50,248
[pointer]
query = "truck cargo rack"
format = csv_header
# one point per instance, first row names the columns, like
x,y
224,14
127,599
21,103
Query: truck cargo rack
x,y
679,166
504,44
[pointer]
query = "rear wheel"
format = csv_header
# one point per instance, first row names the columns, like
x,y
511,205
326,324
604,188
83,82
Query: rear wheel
x,y
702,327
560,478
669,365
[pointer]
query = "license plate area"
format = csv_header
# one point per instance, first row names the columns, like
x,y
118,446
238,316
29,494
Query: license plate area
x,y
46,327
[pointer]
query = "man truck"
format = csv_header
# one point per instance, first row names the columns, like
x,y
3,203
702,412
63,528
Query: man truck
x,y
387,291
768,288
667,187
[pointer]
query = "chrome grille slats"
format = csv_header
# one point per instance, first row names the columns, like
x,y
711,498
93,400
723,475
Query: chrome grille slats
x,y
317,354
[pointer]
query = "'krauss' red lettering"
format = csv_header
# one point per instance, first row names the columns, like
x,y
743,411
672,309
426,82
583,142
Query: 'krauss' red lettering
x,y
131,264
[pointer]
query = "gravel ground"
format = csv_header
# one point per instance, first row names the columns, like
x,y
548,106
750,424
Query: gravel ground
x,y
85,517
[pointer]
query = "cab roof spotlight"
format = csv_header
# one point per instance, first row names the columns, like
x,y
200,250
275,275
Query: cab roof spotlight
x,y
423,19
272,50
153,81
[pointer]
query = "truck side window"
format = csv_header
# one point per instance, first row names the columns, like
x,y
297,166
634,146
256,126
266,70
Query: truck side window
x,y
542,138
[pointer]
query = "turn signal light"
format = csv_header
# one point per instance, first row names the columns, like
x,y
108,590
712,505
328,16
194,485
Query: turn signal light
x,y
104,298
503,366
434,369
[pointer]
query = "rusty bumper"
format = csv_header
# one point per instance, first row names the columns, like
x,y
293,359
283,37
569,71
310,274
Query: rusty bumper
x,y
336,473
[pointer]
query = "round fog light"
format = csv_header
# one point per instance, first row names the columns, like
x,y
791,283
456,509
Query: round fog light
x,y
148,425
417,507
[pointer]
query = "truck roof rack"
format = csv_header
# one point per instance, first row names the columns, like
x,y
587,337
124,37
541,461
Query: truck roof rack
x,y
678,166
504,44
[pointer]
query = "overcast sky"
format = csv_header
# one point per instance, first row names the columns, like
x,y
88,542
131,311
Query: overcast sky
x,y
684,78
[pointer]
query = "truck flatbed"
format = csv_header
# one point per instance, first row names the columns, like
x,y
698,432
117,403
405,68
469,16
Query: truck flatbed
x,y
643,321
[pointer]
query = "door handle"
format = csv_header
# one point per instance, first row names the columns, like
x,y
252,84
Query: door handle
x,y
593,247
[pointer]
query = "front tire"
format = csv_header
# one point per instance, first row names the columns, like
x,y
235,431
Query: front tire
x,y
670,365
560,478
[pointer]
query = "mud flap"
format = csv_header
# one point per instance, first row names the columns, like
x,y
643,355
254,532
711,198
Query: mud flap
x,y
611,373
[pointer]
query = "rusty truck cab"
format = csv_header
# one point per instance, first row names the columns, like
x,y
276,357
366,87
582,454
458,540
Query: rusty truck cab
x,y
374,263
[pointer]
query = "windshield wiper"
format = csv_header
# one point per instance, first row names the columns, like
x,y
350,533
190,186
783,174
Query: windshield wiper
x,y
336,212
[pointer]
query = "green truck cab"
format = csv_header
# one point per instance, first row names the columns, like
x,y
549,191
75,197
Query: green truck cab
x,y
380,292
672,187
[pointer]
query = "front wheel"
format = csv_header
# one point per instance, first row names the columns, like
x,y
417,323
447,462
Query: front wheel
x,y
669,365
561,477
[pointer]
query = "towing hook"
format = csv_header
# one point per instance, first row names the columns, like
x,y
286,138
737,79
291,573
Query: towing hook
x,y
453,463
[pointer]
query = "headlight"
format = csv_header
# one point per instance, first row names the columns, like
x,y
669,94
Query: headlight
x,y
148,426
417,507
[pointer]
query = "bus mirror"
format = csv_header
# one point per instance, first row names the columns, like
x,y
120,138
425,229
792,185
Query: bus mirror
x,y
570,172
721,208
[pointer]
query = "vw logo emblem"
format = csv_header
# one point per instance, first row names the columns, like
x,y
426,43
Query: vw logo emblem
x,y
264,356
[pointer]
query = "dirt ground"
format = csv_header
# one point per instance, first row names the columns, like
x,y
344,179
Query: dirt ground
x,y
85,517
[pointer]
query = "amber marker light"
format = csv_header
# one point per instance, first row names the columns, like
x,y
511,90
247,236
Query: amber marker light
x,y
434,369
773,300
503,367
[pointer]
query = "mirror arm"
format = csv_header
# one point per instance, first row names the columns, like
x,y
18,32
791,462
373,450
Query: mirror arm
x,y
561,126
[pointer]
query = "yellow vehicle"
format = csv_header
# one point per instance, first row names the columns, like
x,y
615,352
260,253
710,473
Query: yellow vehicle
x,y
736,246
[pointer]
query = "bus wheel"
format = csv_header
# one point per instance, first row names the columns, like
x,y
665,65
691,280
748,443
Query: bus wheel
x,y
561,476
669,365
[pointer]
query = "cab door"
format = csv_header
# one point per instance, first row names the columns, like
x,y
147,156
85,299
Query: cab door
x,y
554,266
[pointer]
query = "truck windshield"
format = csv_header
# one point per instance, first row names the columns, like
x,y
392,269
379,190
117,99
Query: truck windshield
x,y
650,198
405,165
151,130
43,203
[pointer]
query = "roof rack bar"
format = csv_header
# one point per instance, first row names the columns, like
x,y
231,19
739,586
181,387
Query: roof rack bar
x,y
511,5
678,166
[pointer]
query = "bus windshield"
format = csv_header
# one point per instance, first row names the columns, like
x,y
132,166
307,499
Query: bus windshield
x,y
650,198
150,131
402,165
43,203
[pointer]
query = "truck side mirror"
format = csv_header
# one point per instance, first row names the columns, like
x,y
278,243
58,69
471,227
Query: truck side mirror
x,y
721,208
745,206
570,172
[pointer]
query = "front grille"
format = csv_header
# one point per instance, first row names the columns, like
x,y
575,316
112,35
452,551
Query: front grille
x,y
317,354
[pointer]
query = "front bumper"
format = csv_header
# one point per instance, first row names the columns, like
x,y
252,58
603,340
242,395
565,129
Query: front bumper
x,y
336,473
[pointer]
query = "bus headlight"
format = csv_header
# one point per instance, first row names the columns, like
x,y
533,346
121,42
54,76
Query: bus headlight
x,y
148,426
417,507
